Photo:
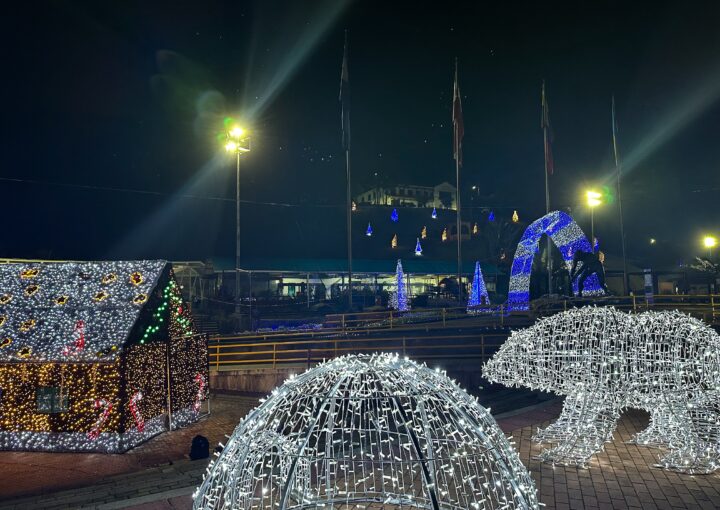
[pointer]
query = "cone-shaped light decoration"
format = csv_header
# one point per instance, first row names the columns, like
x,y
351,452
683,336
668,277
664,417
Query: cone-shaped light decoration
x,y
369,230
491,217
393,243
444,234
394,215
418,248
515,217
434,214
423,234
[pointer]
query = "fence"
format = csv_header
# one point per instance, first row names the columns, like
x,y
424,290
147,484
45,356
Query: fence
x,y
413,332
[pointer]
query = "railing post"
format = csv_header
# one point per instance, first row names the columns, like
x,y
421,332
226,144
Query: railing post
x,y
335,348
712,308
274,354
565,305
404,346
443,316
391,319
343,322
217,355
634,303
308,359
502,315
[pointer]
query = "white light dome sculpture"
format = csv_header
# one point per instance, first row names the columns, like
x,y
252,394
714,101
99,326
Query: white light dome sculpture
x,y
368,432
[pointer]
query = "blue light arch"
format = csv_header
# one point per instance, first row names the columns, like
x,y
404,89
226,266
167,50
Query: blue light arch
x,y
566,235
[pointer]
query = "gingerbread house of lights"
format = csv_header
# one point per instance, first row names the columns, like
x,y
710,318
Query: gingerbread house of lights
x,y
95,356
371,432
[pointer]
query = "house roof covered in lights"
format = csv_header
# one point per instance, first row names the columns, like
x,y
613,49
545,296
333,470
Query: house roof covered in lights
x,y
72,311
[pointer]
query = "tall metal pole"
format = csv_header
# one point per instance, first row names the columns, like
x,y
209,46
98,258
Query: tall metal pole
x,y
547,189
349,228
618,169
457,192
592,229
237,238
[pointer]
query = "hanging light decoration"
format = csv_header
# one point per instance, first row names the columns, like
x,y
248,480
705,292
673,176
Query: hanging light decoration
x,y
364,446
434,214
444,235
423,234
475,228
603,361
394,215
418,248
369,230
393,243
515,217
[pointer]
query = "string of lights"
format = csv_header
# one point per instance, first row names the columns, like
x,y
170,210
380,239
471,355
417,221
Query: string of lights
x,y
604,360
373,432
90,374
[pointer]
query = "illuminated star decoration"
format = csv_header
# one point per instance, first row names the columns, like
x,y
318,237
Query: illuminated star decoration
x,y
603,361
353,433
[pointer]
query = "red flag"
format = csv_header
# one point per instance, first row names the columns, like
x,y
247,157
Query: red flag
x,y
458,125
547,133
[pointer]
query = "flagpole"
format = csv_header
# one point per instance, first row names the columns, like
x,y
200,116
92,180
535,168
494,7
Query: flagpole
x,y
457,191
344,98
619,195
547,187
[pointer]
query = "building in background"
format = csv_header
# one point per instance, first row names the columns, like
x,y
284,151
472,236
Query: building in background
x,y
442,196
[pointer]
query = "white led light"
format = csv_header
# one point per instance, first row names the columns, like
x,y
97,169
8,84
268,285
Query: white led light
x,y
368,432
604,360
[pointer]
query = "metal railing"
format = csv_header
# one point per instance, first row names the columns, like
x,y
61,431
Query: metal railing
x,y
308,352
411,332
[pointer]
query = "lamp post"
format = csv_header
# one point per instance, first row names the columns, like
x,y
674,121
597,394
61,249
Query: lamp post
x,y
238,142
593,200
710,242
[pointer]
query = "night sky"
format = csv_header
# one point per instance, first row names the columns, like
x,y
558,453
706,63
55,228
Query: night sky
x,y
112,110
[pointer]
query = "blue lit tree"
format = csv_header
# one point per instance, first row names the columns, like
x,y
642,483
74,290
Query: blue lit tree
x,y
478,292
398,300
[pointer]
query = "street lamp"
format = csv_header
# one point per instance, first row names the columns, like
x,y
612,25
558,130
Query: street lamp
x,y
710,242
593,200
238,142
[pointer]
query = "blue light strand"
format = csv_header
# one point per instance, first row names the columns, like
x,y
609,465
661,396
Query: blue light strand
x,y
567,236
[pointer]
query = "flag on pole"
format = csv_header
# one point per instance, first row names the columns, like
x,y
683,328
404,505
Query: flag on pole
x,y
458,124
345,98
548,138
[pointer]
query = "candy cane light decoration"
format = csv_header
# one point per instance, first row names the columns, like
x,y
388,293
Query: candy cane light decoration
x,y
139,422
200,380
100,422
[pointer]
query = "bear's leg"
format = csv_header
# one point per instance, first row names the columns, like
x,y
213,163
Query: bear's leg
x,y
660,431
589,422
695,448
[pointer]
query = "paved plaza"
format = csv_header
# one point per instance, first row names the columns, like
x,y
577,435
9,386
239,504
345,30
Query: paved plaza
x,y
620,477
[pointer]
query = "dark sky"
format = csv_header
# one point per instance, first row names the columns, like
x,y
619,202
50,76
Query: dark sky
x,y
102,98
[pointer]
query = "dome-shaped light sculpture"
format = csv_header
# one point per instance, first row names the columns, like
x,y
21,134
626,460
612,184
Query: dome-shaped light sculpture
x,y
371,432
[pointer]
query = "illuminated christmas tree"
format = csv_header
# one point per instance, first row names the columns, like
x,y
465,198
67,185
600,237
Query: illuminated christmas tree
x,y
434,214
478,291
394,215
398,300
418,248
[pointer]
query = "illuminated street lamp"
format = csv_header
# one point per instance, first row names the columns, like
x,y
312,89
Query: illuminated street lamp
x,y
238,142
593,200
710,242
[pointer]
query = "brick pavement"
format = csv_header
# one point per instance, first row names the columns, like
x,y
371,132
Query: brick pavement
x,y
620,477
